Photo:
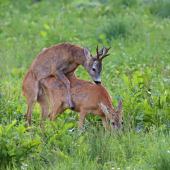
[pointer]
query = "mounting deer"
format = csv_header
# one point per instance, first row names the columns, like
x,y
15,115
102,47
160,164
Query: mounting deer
x,y
59,61
87,97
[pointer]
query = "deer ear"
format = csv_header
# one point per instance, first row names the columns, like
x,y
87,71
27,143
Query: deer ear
x,y
120,108
87,53
105,110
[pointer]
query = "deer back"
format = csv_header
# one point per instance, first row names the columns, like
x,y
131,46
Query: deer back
x,y
85,95
60,56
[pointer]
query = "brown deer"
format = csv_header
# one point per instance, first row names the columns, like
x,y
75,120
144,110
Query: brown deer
x,y
87,97
59,61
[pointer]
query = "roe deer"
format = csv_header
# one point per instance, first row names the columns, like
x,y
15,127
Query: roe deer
x,y
87,97
59,60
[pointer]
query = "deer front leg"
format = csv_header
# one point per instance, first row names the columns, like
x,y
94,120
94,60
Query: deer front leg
x,y
105,123
59,74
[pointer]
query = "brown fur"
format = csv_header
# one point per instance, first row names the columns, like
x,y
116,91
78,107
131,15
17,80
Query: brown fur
x,y
87,97
59,60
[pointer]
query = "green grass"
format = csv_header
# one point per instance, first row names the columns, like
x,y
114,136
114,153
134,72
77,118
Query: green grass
x,y
138,71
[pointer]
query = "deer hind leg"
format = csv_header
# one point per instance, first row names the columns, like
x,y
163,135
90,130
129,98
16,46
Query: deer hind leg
x,y
55,109
58,111
59,74
44,102
30,93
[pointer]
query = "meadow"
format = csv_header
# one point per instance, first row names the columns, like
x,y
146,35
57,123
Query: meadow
x,y
137,71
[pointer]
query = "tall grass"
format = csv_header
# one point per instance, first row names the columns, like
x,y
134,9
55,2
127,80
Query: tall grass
x,y
160,8
136,71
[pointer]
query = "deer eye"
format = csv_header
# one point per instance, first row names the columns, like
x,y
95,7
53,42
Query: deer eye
x,y
113,123
93,69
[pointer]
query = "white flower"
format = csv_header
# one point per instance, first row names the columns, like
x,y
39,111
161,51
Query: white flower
x,y
148,92
24,166
44,48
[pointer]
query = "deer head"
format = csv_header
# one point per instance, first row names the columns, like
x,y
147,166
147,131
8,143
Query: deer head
x,y
115,117
93,64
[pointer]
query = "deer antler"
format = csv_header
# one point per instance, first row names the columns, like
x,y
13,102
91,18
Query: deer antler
x,y
105,54
99,53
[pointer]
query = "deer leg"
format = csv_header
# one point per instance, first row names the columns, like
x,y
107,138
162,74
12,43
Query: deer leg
x,y
30,102
55,110
31,96
59,74
29,113
44,102
30,92
59,112
81,119
105,123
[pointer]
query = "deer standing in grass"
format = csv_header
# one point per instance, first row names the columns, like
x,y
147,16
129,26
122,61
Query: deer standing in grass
x,y
59,61
87,97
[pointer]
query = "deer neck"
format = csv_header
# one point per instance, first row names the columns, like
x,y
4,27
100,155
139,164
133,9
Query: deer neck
x,y
80,59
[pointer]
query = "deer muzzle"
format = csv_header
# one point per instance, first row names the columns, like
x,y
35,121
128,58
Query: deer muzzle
x,y
97,82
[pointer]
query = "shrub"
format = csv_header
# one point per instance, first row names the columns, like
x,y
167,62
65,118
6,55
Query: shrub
x,y
115,28
161,8
16,145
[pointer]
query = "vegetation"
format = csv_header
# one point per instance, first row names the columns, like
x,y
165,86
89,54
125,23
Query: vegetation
x,y
137,71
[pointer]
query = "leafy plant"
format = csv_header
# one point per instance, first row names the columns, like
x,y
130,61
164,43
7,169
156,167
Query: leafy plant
x,y
137,71
16,145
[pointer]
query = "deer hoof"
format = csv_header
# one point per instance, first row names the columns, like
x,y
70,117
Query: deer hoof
x,y
72,108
